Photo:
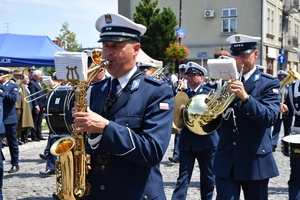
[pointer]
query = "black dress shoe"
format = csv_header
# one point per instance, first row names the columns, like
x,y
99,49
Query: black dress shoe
x,y
20,143
35,139
273,148
26,141
55,196
41,138
48,172
174,159
13,169
43,156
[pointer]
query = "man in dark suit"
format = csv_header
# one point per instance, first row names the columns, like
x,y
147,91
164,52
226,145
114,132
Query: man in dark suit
x,y
193,146
134,129
37,89
244,157
10,120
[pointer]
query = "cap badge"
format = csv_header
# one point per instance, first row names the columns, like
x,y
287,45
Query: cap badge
x,y
108,19
237,38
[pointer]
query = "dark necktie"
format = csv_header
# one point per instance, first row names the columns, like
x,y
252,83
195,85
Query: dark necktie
x,y
113,92
193,93
243,79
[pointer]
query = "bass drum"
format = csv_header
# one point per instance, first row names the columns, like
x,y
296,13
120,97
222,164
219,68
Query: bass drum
x,y
58,103
290,145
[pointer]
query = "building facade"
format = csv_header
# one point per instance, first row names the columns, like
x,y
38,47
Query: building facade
x,y
209,22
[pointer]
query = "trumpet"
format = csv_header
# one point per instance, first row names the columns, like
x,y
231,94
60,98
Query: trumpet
x,y
3,76
178,89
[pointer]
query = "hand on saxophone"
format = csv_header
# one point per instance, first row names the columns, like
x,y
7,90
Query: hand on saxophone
x,y
237,87
88,122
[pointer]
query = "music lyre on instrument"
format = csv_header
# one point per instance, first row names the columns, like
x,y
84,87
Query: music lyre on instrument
x,y
71,167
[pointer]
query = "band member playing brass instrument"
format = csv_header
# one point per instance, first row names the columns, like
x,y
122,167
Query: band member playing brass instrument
x,y
130,133
244,158
193,146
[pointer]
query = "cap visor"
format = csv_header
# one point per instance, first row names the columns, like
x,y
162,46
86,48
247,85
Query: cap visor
x,y
114,39
237,53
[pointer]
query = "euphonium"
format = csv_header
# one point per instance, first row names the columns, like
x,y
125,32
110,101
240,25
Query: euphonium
x,y
292,76
71,167
202,113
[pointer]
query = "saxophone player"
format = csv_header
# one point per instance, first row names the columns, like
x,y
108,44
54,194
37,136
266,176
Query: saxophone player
x,y
244,158
130,135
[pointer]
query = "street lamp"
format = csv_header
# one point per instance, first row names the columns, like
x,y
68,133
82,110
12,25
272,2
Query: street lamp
x,y
285,15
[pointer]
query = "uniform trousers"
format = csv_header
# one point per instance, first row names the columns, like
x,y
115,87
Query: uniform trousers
x,y
294,181
186,167
11,137
230,190
176,144
37,120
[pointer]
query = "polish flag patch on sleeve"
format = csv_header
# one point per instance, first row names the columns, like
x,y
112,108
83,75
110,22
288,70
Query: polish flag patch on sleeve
x,y
275,91
164,106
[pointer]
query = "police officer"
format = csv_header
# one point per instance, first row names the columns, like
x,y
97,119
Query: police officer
x,y
244,158
10,120
193,146
285,118
2,132
132,134
293,102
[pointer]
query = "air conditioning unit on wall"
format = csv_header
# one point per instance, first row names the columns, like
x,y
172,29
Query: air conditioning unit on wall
x,y
209,13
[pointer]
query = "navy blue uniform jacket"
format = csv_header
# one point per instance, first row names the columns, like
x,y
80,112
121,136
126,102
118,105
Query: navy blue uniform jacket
x,y
246,150
10,96
136,139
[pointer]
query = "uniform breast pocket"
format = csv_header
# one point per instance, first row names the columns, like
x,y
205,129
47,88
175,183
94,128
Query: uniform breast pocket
x,y
131,122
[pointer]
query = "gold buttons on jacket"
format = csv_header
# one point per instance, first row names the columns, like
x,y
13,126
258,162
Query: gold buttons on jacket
x,y
145,197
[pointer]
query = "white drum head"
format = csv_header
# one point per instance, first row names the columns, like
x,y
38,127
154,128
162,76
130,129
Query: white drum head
x,y
292,139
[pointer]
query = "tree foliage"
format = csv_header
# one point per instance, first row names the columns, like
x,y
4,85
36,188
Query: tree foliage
x,y
161,28
67,38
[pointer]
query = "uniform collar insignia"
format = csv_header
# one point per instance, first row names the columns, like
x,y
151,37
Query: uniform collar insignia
x,y
135,84
237,38
108,19
256,77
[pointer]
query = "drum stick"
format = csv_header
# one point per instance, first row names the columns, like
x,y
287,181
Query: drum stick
x,y
282,99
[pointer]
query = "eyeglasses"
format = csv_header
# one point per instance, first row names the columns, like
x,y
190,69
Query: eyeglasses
x,y
191,75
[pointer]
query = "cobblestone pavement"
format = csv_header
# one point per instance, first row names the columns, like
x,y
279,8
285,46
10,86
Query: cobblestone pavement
x,y
28,184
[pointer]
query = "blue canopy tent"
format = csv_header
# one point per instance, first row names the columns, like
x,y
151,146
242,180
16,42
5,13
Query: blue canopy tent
x,y
27,50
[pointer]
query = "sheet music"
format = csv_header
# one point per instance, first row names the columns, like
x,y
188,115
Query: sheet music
x,y
47,80
222,69
72,60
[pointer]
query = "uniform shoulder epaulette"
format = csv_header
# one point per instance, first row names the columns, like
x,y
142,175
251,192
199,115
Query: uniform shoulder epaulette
x,y
269,76
154,80
13,82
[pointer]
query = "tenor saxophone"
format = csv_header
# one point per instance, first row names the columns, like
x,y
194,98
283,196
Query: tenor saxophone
x,y
71,167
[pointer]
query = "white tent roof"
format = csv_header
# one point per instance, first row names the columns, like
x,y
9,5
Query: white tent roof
x,y
143,57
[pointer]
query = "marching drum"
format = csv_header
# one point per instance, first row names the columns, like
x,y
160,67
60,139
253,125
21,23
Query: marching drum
x,y
290,145
58,103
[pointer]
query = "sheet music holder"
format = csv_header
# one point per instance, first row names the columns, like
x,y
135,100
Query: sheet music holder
x,y
224,69
65,60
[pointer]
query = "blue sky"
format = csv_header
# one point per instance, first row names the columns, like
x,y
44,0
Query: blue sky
x,y
45,17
